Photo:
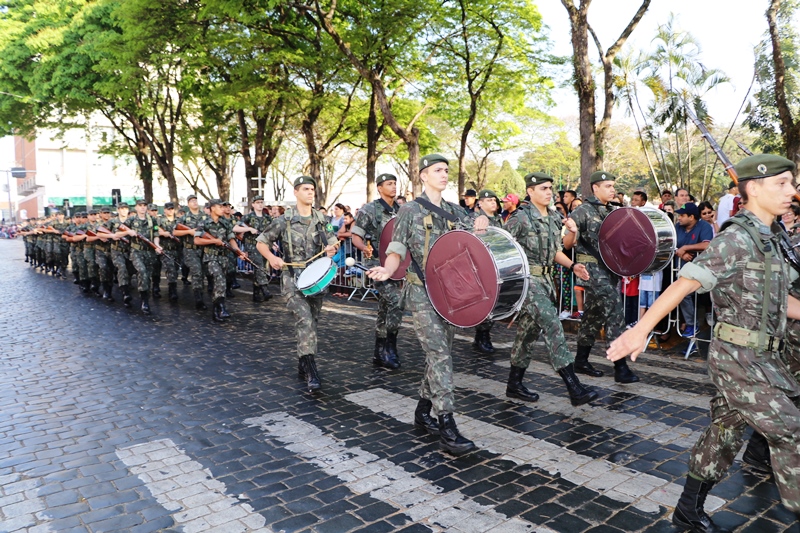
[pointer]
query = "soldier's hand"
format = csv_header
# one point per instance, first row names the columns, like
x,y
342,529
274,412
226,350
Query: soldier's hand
x,y
378,273
571,226
581,271
481,223
159,250
330,251
276,262
631,342
243,255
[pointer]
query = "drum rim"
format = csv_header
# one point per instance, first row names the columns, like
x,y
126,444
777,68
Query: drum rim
x,y
331,267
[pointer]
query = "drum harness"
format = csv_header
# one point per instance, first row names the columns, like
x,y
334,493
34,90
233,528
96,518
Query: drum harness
x,y
316,224
593,257
544,269
390,210
452,221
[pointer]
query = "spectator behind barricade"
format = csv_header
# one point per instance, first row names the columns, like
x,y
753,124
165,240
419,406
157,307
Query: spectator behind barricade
x,y
344,232
337,219
470,200
324,212
649,289
510,204
639,199
346,248
725,207
666,196
630,295
681,197
693,236
707,213
669,208
561,208
621,198
789,220
571,200
400,200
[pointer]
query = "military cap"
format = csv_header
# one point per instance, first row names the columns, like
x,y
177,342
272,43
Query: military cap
x,y
169,205
152,207
486,193
105,209
432,159
385,177
257,198
82,214
304,180
93,212
601,175
535,178
123,205
191,197
141,201
762,166
470,193
214,201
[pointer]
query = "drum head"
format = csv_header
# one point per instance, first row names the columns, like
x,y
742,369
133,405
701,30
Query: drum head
x,y
461,278
386,238
629,243
314,272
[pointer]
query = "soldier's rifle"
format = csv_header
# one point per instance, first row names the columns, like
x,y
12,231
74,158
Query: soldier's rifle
x,y
154,246
227,246
105,231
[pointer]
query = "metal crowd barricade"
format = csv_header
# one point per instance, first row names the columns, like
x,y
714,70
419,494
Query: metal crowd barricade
x,y
352,279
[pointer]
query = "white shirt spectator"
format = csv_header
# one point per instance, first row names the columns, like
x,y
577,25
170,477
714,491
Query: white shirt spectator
x,y
726,205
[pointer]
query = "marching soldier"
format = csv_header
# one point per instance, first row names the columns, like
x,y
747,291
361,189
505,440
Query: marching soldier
x,y
120,253
419,224
76,253
603,301
102,254
143,256
193,253
538,230
489,206
745,271
248,230
215,254
166,225
369,224
152,210
230,277
304,232
89,249
60,246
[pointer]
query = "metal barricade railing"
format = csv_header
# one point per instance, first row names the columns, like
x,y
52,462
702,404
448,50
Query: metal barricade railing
x,y
351,280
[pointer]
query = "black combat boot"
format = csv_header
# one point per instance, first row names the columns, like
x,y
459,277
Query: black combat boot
x,y
390,357
107,291
172,291
199,304
210,288
258,295
156,289
228,287
578,394
26,258
423,418
77,278
219,313
482,343
96,286
377,356
126,295
515,388
449,438
265,292
689,513
145,302
582,364
757,454
235,284
185,275
307,370
85,288
623,374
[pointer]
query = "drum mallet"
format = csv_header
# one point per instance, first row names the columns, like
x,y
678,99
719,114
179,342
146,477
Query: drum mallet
x,y
351,262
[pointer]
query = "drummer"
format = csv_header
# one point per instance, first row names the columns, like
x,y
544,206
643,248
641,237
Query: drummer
x,y
489,206
415,231
603,305
370,221
304,232
538,231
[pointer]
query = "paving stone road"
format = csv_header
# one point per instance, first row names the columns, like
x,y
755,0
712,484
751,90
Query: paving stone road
x,y
113,421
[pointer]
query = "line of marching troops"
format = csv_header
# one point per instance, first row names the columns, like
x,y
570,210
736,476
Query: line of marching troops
x,y
106,248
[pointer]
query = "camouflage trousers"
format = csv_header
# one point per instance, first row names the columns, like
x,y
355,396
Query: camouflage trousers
x,y
156,273
29,248
79,262
122,263
232,263
143,261
63,255
436,337
539,313
755,394
169,266
104,266
390,310
51,250
193,258
217,266
791,354
306,311
261,274
603,307
91,261
485,326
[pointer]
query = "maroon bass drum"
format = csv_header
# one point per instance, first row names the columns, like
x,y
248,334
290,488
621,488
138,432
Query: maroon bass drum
x,y
635,240
386,238
473,277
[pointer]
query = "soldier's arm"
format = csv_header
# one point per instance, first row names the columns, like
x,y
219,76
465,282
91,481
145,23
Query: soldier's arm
x,y
570,236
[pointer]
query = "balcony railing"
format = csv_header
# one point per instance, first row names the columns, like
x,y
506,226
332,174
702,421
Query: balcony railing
x,y
28,187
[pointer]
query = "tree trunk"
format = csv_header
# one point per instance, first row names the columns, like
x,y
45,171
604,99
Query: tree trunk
x,y
372,147
790,130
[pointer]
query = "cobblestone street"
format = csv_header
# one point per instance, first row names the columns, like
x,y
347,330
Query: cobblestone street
x,y
115,421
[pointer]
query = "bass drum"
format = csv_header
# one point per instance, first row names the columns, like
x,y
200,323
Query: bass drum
x,y
635,240
386,238
473,277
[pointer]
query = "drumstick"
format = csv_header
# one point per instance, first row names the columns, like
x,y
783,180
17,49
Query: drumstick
x,y
352,263
307,261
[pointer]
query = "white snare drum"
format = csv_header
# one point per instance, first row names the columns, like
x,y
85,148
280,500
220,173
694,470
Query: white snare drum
x,y
316,277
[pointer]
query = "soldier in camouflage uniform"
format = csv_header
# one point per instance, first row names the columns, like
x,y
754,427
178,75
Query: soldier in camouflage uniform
x,y
166,225
537,228
143,256
215,255
192,253
487,205
25,232
248,229
40,242
415,226
152,210
102,254
749,280
231,282
120,253
89,249
76,251
61,247
369,224
603,306
303,232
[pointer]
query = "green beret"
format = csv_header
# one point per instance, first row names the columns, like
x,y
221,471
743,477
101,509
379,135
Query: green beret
x,y
601,175
762,166
535,178
385,177
258,198
432,159
486,193
304,180
214,201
